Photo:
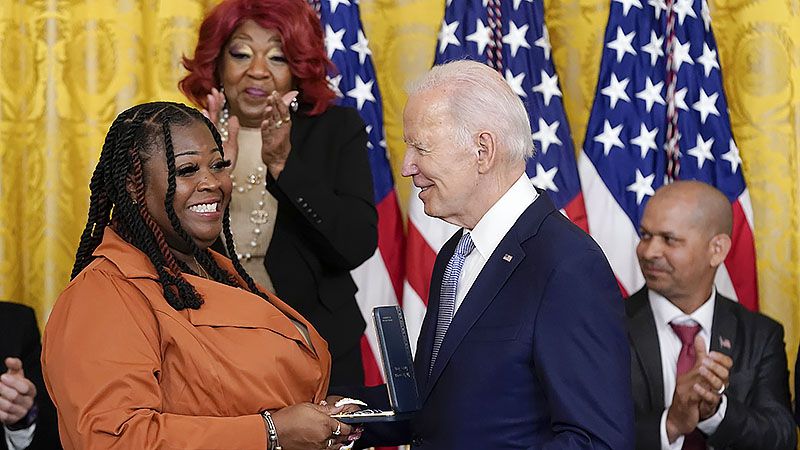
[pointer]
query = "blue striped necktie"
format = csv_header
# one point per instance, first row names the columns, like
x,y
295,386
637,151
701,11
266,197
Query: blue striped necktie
x,y
447,297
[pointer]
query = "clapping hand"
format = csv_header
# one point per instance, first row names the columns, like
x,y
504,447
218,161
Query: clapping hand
x,y
215,102
714,368
275,132
698,392
17,393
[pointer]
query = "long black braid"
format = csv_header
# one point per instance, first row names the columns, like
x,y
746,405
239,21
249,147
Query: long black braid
x,y
118,199
231,248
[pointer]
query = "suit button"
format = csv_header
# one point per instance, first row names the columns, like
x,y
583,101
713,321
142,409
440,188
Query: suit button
x,y
318,221
300,199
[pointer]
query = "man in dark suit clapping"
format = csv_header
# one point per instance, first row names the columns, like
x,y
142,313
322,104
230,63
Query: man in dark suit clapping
x,y
27,414
706,372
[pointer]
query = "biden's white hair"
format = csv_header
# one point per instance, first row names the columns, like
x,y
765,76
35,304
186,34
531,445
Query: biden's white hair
x,y
480,99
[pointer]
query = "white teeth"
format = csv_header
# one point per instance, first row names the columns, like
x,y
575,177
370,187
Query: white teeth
x,y
204,208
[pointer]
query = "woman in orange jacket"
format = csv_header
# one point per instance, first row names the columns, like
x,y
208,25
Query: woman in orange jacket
x,y
159,342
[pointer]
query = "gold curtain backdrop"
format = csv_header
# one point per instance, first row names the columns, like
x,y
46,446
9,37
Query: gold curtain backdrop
x,y
67,67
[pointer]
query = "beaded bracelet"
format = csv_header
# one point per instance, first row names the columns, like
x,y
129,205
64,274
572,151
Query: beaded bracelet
x,y
271,431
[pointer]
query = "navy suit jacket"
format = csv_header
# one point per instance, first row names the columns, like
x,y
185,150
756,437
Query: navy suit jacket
x,y
759,413
536,356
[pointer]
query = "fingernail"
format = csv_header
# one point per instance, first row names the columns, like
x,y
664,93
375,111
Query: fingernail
x,y
289,97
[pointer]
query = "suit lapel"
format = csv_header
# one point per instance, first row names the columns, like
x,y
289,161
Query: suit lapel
x,y
490,281
723,328
644,340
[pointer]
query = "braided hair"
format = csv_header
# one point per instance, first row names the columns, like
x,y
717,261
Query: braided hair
x,y
118,199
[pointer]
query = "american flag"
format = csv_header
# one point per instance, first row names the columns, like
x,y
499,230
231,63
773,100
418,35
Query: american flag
x,y
380,278
659,78
511,37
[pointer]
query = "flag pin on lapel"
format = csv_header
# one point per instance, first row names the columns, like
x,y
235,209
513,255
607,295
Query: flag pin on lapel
x,y
724,342
507,257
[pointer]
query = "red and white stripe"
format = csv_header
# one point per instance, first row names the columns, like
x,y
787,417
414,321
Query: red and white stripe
x,y
380,280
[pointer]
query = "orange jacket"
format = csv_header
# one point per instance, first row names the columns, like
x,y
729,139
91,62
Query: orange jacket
x,y
127,371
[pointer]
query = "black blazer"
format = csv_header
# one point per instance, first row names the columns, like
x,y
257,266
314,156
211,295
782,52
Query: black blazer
x,y
327,224
797,388
19,338
758,415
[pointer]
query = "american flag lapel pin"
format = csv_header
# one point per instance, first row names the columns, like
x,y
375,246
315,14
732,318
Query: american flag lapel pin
x,y
507,257
724,342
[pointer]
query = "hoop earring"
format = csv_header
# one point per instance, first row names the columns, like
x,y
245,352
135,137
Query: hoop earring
x,y
222,122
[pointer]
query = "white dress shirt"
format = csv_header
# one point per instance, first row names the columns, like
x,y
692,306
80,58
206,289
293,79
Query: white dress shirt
x,y
491,229
19,439
665,312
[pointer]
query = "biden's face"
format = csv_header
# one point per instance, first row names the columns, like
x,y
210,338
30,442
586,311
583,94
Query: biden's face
x,y
444,169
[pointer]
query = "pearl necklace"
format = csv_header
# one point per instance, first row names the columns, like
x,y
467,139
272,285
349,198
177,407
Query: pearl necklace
x,y
258,216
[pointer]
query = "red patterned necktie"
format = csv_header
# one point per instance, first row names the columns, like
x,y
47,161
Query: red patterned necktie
x,y
686,360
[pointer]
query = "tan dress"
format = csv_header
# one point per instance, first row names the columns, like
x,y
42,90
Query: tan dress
x,y
253,208
127,371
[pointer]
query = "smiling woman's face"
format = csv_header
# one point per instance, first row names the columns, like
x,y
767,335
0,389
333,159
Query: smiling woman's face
x,y
253,65
202,186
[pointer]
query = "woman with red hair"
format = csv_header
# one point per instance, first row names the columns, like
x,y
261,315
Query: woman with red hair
x,y
302,212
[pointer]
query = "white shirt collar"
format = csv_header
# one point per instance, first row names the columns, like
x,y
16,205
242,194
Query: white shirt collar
x,y
494,225
665,312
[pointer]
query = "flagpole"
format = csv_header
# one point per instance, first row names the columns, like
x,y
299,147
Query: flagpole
x,y
495,47
671,144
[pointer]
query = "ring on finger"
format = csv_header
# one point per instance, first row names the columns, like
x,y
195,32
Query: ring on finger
x,y
279,123
330,442
338,430
288,118
721,389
